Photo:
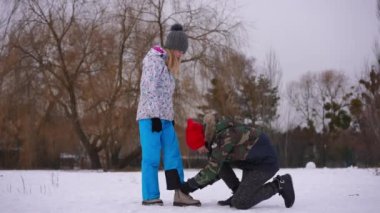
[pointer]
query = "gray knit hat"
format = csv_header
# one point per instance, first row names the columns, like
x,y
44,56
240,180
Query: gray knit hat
x,y
176,39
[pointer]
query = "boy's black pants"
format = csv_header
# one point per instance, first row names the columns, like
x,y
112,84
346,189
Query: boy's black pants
x,y
252,189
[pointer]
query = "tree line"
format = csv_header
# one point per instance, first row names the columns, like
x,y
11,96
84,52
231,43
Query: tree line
x,y
69,83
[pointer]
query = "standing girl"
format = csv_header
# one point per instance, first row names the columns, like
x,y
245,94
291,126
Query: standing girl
x,y
155,116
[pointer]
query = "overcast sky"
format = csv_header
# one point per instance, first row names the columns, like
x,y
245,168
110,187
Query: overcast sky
x,y
312,35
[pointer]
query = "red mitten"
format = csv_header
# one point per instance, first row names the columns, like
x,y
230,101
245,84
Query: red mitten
x,y
195,137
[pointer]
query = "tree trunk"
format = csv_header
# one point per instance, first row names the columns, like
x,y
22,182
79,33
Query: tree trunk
x,y
90,148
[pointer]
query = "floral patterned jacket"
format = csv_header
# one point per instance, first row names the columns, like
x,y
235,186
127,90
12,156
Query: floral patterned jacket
x,y
156,87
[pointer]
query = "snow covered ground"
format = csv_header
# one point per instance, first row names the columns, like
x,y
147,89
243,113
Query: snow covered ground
x,y
317,190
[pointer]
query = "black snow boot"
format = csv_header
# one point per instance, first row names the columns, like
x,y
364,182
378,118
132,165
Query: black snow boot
x,y
225,202
285,189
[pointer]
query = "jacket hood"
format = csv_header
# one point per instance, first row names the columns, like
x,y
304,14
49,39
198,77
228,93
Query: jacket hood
x,y
157,51
214,123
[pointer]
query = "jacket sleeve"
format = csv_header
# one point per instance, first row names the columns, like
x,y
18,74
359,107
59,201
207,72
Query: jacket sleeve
x,y
152,69
209,174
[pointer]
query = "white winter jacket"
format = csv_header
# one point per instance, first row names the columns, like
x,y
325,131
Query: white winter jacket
x,y
156,87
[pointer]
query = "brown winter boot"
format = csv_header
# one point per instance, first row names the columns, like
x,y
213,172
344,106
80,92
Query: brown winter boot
x,y
182,199
153,202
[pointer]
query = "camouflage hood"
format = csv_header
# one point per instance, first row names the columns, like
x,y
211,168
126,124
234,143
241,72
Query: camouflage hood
x,y
213,123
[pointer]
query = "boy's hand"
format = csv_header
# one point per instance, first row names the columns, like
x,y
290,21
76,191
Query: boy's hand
x,y
189,186
202,150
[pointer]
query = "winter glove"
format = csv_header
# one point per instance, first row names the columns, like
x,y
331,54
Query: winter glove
x,y
189,186
156,125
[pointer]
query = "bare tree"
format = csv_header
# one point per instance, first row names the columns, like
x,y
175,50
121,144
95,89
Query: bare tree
x,y
79,62
115,92
272,69
334,99
63,53
8,11
205,40
312,95
301,96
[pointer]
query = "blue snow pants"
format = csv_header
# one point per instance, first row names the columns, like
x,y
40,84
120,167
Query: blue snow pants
x,y
152,144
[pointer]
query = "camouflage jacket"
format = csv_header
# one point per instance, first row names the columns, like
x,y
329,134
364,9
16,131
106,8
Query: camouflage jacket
x,y
234,143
